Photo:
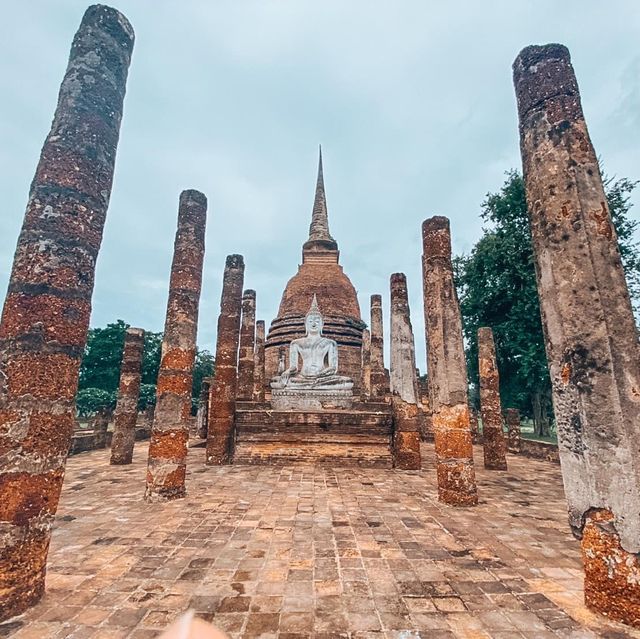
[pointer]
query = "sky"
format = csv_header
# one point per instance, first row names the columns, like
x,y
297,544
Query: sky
x,y
412,101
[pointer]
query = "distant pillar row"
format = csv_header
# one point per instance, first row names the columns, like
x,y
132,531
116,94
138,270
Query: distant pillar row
x,y
258,363
590,333
403,381
379,378
126,414
494,444
45,319
167,463
447,369
246,354
223,389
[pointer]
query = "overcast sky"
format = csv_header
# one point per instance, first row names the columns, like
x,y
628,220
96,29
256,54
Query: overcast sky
x,y
412,101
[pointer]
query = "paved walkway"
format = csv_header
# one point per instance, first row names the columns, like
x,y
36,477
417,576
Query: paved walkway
x,y
304,551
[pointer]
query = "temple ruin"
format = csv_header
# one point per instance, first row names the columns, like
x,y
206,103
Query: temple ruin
x,y
325,488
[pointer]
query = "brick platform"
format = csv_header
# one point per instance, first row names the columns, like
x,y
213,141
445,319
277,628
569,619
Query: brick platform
x,y
307,551
358,437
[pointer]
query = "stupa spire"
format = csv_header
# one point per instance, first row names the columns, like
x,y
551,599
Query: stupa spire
x,y
319,229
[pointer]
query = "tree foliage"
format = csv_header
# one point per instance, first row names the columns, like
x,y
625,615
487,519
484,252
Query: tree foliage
x,y
497,288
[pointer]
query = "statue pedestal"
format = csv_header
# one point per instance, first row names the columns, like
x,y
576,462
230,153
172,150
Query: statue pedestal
x,y
305,400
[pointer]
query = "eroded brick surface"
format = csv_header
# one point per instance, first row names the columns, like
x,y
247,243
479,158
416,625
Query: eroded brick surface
x,y
447,368
379,376
307,551
246,355
590,332
259,380
46,312
170,432
514,436
493,439
224,385
126,413
403,380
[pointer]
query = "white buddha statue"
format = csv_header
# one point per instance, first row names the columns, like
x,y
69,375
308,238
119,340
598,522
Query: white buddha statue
x,y
313,361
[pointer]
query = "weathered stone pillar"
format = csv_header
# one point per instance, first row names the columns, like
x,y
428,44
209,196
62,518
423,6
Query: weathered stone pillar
x,y
590,333
202,416
448,385
473,424
101,425
513,430
45,319
167,464
366,364
258,367
222,399
427,421
379,377
493,441
126,415
403,381
246,354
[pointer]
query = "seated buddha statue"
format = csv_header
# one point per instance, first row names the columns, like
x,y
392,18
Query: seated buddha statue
x,y
319,356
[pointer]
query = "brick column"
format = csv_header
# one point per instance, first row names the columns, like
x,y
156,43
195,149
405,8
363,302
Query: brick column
x,y
202,416
45,319
590,333
246,353
366,364
222,400
167,463
493,441
513,429
126,415
101,425
403,381
258,367
379,378
448,385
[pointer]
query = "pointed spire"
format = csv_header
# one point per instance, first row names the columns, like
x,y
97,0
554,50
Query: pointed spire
x,y
319,229
314,309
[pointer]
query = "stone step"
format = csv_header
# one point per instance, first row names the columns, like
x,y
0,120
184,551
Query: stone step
x,y
281,453
303,437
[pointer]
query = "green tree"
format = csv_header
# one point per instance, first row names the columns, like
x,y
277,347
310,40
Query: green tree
x,y
497,288
100,366
90,400
203,367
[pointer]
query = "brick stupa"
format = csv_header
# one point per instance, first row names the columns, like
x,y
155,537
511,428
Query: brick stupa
x,y
319,274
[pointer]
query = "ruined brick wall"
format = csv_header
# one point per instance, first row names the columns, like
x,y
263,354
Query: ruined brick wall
x,y
45,318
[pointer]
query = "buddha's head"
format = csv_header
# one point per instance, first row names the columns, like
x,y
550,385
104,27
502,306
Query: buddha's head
x,y
313,321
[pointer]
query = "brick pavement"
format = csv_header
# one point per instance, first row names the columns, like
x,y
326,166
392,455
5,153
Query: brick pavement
x,y
301,551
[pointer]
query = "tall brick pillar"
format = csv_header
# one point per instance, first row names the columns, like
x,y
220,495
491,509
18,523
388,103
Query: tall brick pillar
x,y
379,378
590,334
246,353
222,401
202,416
126,415
448,385
513,429
366,364
403,381
101,426
258,364
167,463
494,444
45,319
